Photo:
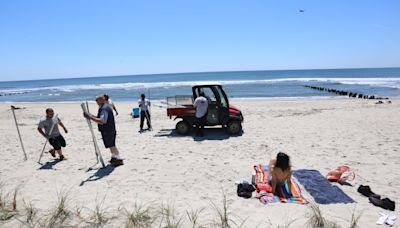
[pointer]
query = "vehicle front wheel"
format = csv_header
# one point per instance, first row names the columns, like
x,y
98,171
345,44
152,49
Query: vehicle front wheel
x,y
234,127
182,127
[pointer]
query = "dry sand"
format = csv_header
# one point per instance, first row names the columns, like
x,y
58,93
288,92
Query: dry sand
x,y
189,172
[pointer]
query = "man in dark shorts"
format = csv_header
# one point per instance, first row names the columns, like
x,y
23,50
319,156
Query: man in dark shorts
x,y
106,126
55,138
144,105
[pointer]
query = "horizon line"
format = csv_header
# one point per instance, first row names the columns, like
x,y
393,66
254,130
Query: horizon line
x,y
196,72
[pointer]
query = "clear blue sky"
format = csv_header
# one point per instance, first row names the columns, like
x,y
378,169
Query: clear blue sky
x,y
66,38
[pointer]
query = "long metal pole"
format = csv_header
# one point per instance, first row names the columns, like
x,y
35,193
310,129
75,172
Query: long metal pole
x,y
99,156
19,134
149,109
54,122
96,147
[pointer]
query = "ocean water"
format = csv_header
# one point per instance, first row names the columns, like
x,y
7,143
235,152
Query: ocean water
x,y
383,82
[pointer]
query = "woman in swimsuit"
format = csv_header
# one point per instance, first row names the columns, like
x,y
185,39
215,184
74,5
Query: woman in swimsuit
x,y
280,171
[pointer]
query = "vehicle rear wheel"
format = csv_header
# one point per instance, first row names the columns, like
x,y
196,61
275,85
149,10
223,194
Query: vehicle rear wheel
x,y
182,127
234,127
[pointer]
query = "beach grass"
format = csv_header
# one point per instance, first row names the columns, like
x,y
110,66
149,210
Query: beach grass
x,y
224,218
100,215
30,214
288,223
143,215
355,219
316,218
193,216
170,218
61,212
139,216
8,207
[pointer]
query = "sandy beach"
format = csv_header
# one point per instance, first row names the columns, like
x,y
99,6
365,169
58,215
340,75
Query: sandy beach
x,y
190,173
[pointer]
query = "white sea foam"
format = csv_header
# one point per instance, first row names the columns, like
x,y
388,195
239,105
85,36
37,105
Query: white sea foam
x,y
382,82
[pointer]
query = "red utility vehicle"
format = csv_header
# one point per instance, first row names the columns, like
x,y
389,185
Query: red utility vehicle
x,y
220,112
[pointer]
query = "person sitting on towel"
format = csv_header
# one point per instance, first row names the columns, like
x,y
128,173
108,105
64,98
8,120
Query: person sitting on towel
x,y
55,138
280,171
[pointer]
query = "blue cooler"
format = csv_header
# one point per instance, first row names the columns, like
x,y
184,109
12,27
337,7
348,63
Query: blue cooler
x,y
135,113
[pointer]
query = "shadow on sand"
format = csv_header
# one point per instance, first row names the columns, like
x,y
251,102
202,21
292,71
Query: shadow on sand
x,y
50,164
209,134
99,174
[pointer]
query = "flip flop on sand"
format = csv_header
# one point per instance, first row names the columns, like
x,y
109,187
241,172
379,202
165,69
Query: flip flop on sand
x,y
389,220
382,218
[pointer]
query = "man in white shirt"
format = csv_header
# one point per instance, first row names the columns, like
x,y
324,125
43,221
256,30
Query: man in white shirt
x,y
201,105
110,103
144,105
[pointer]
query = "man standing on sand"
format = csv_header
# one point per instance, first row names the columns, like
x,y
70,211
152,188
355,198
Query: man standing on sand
x,y
55,138
106,126
201,105
111,103
144,105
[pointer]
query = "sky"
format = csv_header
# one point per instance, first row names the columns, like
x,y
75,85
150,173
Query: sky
x,y
45,39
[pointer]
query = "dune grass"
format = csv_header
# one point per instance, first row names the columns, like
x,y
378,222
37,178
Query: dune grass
x,y
193,216
354,219
143,215
224,217
100,215
61,212
30,213
139,216
170,218
316,218
8,207
287,224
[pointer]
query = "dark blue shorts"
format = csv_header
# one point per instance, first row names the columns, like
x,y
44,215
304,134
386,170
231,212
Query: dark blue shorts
x,y
57,142
109,138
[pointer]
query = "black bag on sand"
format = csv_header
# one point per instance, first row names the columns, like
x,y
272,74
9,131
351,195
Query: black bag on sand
x,y
245,190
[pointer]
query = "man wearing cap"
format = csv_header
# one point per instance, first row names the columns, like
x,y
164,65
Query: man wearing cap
x,y
106,126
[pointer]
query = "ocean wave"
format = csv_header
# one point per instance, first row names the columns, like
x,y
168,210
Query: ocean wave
x,y
382,82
